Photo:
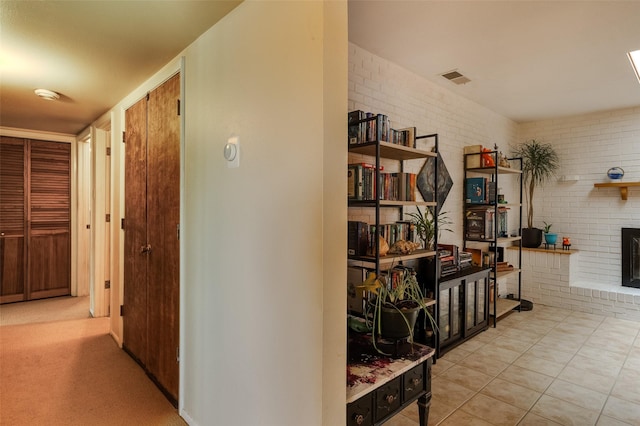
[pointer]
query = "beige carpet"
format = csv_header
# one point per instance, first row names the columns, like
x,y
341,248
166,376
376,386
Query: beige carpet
x,y
73,373
45,310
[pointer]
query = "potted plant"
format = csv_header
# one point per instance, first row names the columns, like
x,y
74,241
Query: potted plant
x,y
549,238
396,301
539,163
425,226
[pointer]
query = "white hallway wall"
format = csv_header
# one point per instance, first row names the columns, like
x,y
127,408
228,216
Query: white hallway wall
x,y
263,312
264,253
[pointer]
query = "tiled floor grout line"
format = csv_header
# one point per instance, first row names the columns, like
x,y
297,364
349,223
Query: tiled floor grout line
x,y
593,329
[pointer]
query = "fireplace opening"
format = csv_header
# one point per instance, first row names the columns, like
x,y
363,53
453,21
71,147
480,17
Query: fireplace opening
x,y
631,257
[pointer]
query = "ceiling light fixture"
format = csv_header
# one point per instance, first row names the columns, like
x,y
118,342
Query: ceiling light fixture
x,y
634,57
47,94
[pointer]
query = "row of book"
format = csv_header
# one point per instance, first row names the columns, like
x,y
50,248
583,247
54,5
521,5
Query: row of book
x,y
367,127
479,190
398,186
480,222
361,235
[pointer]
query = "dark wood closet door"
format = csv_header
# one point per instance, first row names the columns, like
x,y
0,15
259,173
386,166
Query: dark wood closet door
x,y
13,181
135,321
163,203
152,255
49,244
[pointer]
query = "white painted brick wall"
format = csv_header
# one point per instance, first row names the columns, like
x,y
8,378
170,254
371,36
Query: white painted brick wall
x,y
588,146
379,86
552,279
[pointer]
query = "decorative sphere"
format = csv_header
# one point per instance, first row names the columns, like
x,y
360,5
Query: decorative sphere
x,y
615,173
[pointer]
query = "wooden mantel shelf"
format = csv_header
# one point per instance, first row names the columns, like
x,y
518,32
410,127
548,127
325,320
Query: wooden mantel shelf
x,y
624,187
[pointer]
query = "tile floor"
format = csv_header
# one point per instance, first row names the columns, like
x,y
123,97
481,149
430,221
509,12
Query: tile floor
x,y
547,366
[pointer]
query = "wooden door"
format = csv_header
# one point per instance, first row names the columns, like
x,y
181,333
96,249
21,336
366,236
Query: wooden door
x,y
49,244
163,214
135,232
35,219
13,180
152,212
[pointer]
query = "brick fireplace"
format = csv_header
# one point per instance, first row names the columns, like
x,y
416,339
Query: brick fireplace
x,y
631,257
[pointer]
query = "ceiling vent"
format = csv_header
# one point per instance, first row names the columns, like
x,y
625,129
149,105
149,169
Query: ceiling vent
x,y
455,77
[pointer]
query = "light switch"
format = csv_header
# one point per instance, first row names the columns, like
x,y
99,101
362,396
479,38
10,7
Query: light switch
x,y
232,152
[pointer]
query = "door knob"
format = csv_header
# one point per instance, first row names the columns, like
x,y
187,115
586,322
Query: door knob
x,y
145,249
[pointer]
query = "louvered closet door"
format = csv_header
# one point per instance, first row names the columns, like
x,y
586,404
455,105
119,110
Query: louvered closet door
x,y
163,204
49,236
12,219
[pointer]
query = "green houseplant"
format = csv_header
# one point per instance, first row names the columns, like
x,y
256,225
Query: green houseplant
x,y
539,163
549,237
425,225
396,301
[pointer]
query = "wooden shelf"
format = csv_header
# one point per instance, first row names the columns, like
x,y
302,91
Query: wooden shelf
x,y
624,187
501,240
504,306
544,250
503,274
391,151
389,260
390,203
492,170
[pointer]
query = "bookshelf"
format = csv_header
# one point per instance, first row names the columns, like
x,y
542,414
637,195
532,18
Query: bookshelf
x,y
486,224
377,192
372,141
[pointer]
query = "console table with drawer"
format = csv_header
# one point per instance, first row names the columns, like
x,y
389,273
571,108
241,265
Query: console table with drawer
x,y
378,387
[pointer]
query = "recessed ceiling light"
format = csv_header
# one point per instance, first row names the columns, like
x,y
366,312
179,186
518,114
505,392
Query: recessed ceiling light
x,y
47,94
634,57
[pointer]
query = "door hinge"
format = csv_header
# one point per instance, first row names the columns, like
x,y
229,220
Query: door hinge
x,y
178,106
121,310
122,223
178,231
108,150
108,218
123,137
107,284
177,353
148,96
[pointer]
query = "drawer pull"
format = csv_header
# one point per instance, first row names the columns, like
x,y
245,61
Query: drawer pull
x,y
390,399
415,381
358,418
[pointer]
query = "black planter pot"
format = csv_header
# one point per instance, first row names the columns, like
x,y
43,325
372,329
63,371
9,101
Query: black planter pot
x,y
394,323
531,237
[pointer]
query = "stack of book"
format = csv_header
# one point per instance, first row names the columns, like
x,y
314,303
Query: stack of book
x,y
480,222
480,190
503,267
361,235
401,230
365,127
465,260
398,186
447,259
361,181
